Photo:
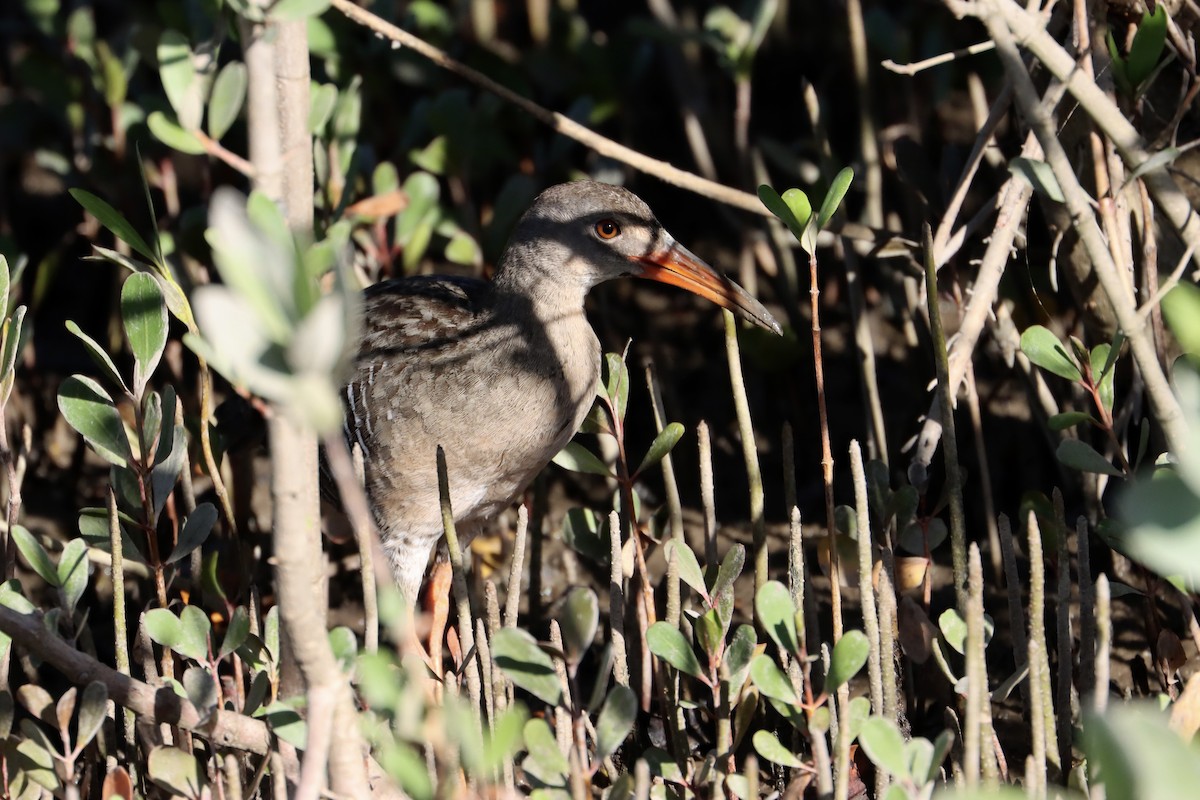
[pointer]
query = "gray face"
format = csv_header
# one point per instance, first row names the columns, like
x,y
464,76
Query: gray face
x,y
604,229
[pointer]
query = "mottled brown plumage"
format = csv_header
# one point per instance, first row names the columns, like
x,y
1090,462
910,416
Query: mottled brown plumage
x,y
500,374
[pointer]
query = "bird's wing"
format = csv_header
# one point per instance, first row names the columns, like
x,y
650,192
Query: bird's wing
x,y
420,313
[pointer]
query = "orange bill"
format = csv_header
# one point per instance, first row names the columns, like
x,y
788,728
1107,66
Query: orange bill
x,y
678,266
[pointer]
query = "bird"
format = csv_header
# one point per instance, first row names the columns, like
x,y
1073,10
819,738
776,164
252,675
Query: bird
x,y
500,373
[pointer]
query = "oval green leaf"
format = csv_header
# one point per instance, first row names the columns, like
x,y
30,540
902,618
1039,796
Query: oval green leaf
x,y
849,656
577,458
1044,349
35,555
767,745
777,616
884,745
615,721
1080,455
228,94
771,681
666,440
517,654
578,620
833,197
145,316
666,642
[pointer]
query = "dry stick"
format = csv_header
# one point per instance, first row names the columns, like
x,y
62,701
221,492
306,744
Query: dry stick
x,y
557,121
512,600
814,292
1015,195
1003,20
348,473
958,525
976,671
867,139
673,503
865,564
1087,607
1035,778
1016,611
1039,674
887,645
749,451
707,493
912,68
301,613
867,594
120,623
1103,643
985,472
162,705
864,349
1063,633
1028,31
458,580
983,138
616,601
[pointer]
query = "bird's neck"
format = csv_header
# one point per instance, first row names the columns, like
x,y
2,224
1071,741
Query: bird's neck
x,y
540,282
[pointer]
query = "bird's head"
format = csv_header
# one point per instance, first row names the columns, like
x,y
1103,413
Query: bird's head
x,y
588,233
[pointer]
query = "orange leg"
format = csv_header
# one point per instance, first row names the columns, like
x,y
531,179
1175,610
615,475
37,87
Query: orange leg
x,y
437,598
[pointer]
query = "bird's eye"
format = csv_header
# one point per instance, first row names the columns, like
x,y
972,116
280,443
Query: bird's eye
x,y
607,229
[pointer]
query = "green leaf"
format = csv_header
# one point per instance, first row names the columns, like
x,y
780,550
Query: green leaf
x,y
72,571
235,632
579,619
35,555
177,72
228,94
5,281
1040,176
163,627
1141,756
99,355
849,655
168,131
524,663
884,745
1045,350
709,633
615,721
1163,515
1082,456
1102,373
771,681
666,642
194,628
1069,419
689,568
767,745
201,689
285,723
322,98
196,528
93,706
663,443
617,387
1147,46
291,10
777,616
1181,307
543,747
798,203
577,458
463,249
176,771
730,569
835,195
776,205
737,656
145,316
112,220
